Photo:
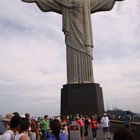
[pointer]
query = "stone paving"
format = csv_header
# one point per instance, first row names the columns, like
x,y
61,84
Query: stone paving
x,y
100,135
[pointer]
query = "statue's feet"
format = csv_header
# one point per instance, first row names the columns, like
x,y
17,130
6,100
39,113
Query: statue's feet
x,y
29,1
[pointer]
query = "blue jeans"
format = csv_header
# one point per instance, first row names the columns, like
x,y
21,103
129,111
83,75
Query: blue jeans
x,y
94,132
45,134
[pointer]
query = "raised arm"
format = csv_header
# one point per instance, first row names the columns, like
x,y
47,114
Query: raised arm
x,y
46,5
102,5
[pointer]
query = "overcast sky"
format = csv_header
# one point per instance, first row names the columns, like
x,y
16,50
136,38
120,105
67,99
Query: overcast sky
x,y
33,58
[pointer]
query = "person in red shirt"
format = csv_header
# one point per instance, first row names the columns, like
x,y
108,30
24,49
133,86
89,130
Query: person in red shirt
x,y
80,122
93,124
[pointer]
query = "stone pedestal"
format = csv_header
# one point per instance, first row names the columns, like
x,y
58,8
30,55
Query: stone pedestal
x,y
85,99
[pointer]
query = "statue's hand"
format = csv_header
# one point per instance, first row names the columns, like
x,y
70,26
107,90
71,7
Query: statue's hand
x,y
29,1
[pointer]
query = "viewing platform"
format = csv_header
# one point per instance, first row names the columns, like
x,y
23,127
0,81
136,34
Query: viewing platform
x,y
115,124
100,135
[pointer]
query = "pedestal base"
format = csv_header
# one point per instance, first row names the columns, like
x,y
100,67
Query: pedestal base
x,y
84,99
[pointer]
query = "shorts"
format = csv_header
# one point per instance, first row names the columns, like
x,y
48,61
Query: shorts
x,y
105,129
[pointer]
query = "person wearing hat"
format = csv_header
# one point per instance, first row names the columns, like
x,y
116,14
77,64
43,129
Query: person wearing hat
x,y
105,123
5,123
13,123
6,120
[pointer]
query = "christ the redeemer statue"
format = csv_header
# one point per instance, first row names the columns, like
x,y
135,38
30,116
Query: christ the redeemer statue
x,y
76,16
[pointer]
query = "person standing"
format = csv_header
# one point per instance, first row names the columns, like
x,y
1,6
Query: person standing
x,y
105,123
86,124
56,133
9,134
45,126
6,120
79,121
93,124
127,120
23,134
32,133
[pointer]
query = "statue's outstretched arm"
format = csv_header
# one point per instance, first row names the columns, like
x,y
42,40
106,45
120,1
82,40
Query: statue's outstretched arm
x,y
29,1
46,5
102,5
69,3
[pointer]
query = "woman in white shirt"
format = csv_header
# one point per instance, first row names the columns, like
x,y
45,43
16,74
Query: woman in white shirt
x,y
23,130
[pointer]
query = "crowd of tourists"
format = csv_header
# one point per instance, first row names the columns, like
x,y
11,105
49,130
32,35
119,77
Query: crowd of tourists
x,y
25,127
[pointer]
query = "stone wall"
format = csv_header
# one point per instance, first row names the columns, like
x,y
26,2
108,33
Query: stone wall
x,y
135,127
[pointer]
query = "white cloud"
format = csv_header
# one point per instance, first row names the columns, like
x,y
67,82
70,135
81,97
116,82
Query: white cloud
x,y
116,55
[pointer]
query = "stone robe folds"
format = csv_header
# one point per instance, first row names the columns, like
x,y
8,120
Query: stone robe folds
x,y
76,16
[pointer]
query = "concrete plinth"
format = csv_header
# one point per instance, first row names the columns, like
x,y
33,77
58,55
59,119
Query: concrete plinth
x,y
85,99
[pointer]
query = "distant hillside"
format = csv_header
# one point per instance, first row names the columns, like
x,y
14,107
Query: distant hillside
x,y
119,113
